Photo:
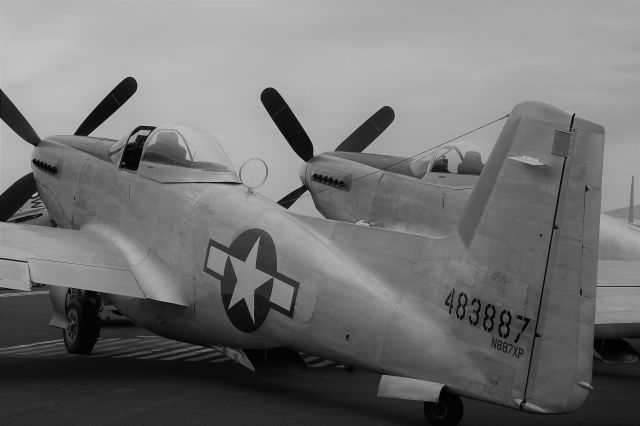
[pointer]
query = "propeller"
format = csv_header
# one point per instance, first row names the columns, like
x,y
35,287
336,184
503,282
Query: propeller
x,y
16,195
19,192
16,121
368,131
110,104
287,122
288,200
294,133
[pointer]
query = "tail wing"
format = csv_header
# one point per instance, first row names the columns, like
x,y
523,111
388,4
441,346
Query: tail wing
x,y
533,218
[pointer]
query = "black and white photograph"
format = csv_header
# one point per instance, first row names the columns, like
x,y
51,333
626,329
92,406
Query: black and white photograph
x,y
315,212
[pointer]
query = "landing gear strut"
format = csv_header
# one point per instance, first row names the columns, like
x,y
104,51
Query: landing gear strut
x,y
447,412
83,326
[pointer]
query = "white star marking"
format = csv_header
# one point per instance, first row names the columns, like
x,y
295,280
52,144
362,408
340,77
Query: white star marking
x,y
249,278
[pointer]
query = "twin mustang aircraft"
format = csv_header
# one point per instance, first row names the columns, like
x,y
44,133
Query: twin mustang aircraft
x,y
497,305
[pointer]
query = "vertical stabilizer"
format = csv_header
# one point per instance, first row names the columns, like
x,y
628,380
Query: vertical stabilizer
x,y
532,224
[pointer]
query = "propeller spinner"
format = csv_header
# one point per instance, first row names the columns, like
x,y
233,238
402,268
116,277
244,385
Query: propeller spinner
x,y
295,135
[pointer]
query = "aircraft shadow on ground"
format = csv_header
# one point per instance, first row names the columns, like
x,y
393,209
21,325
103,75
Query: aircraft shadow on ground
x,y
301,390
617,373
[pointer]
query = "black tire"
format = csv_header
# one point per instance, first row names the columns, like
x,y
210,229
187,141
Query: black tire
x,y
447,412
83,329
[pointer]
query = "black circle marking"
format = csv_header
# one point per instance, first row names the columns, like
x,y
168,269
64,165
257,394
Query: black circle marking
x,y
266,261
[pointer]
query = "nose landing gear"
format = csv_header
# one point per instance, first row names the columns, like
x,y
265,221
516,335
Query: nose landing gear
x,y
83,327
447,412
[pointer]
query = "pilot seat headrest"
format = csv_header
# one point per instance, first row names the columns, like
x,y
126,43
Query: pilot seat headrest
x,y
167,137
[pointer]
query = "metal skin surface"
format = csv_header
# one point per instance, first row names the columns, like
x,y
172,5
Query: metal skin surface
x,y
364,296
394,199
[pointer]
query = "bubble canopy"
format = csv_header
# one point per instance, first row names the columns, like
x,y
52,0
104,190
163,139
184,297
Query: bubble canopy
x,y
185,153
461,158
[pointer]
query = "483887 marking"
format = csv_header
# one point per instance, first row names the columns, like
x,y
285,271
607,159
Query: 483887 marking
x,y
477,314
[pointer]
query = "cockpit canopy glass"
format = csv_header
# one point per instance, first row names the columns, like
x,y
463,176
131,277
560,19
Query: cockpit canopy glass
x,y
462,158
420,165
188,147
451,159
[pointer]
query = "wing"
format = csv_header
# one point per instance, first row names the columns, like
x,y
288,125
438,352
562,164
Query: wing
x,y
618,298
618,273
67,258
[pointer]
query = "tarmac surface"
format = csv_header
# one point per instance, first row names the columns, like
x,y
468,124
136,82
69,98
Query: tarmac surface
x,y
133,377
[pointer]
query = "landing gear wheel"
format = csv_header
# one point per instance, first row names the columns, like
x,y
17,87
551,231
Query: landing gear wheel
x,y
83,329
447,412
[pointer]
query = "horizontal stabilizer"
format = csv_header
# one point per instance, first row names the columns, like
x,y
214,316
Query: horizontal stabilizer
x,y
407,388
617,311
619,273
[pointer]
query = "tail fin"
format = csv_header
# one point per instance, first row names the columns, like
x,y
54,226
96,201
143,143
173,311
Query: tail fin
x,y
533,219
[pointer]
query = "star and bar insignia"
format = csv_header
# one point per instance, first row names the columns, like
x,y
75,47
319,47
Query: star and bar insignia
x,y
250,282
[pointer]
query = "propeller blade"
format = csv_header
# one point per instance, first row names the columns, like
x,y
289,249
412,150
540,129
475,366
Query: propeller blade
x,y
110,104
287,122
288,200
368,131
16,195
11,115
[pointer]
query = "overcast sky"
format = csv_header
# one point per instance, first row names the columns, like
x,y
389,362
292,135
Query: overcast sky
x,y
445,68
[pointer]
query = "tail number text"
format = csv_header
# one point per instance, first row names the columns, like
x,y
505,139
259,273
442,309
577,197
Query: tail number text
x,y
486,315
506,347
